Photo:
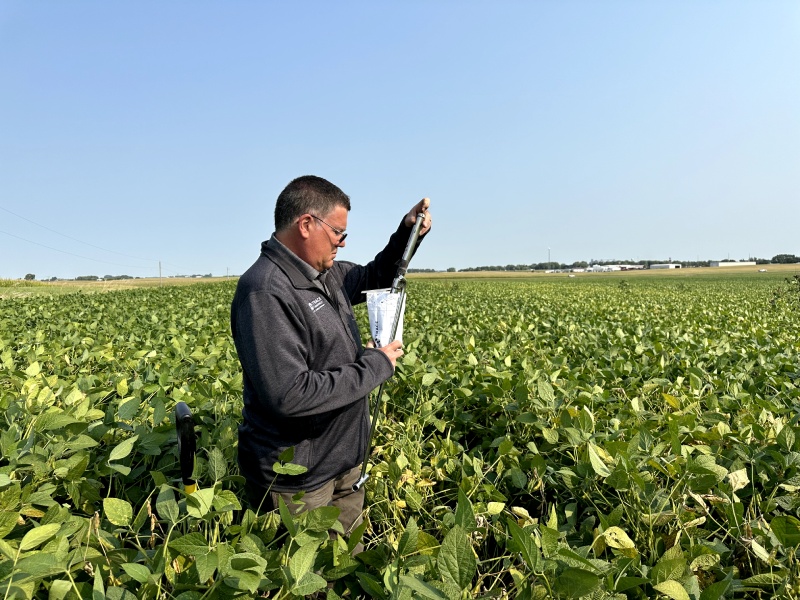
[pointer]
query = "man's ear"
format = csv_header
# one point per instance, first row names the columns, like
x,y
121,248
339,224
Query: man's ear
x,y
304,226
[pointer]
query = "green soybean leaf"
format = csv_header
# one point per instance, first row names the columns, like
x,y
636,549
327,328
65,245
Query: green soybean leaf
x,y
422,589
308,584
200,502
301,561
191,544
289,469
123,449
371,585
717,590
217,465
575,583
59,589
456,561
787,529
668,569
39,565
786,438
546,391
627,583
205,564
408,541
137,572
286,517
244,581
38,536
52,421
465,516
248,561
8,520
125,470
166,506
428,379
159,411
226,500
127,409
322,519
517,477
118,593
98,590
526,545
766,580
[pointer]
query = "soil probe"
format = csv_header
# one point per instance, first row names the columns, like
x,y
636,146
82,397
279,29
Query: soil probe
x,y
398,286
184,425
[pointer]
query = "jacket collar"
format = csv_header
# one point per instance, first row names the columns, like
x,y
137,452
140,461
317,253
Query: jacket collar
x,y
299,272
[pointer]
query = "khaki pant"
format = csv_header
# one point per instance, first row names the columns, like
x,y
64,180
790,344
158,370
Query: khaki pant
x,y
337,492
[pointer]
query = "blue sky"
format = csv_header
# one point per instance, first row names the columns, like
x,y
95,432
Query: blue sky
x,y
139,132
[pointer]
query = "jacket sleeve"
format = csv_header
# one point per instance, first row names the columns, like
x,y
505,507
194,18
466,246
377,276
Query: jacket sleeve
x,y
275,348
380,271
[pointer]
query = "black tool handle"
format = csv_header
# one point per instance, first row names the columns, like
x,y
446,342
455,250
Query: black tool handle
x,y
187,445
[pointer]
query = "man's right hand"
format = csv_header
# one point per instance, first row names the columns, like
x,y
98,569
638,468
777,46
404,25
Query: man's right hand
x,y
393,351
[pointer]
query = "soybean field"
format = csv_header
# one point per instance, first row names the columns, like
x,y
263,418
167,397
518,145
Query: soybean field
x,y
588,437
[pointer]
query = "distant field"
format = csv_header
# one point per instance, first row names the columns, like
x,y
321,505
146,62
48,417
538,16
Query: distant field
x,y
12,288
15,288
778,271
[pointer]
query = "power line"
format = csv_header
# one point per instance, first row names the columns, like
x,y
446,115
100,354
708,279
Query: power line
x,y
84,243
72,238
73,254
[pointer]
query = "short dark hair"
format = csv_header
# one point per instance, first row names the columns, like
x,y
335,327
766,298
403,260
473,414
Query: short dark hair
x,y
307,194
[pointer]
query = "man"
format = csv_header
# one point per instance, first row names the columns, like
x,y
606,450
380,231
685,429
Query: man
x,y
306,374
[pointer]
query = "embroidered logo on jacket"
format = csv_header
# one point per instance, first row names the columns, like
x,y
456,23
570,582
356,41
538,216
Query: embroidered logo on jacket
x,y
316,304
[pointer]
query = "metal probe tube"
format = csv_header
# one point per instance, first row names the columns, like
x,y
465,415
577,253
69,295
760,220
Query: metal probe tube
x,y
398,285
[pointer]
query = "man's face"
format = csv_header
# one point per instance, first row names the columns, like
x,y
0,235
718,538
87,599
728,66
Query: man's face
x,y
326,239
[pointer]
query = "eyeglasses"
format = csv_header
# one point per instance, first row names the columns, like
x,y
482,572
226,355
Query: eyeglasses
x,y
342,235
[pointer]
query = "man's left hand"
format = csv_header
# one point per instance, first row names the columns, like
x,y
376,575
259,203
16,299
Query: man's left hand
x,y
421,207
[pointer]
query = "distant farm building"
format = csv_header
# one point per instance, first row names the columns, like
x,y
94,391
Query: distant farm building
x,y
732,263
666,266
604,268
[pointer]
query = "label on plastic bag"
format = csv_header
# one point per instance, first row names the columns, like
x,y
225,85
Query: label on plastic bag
x,y
382,307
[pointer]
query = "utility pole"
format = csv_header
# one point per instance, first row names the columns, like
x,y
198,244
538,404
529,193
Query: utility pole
x,y
548,257
160,281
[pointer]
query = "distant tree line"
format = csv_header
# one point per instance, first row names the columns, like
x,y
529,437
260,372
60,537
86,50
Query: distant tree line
x,y
555,266
105,277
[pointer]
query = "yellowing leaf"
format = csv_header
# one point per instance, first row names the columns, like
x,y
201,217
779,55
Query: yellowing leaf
x,y
495,508
673,589
33,370
119,512
616,538
597,463
738,479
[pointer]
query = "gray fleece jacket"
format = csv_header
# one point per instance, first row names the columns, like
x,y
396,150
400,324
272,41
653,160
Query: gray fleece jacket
x,y
306,373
